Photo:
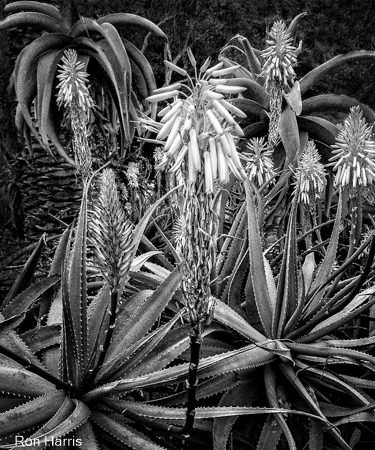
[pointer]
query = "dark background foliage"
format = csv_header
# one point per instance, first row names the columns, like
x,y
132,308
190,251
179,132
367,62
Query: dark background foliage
x,y
330,28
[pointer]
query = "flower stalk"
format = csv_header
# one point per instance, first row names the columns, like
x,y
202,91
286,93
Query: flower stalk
x,y
279,58
111,234
74,96
309,187
354,166
198,132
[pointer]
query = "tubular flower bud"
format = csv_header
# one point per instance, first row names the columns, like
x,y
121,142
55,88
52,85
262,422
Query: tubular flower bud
x,y
310,175
73,81
354,152
132,174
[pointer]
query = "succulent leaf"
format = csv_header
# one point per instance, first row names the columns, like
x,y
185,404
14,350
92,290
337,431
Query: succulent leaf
x,y
123,433
334,102
75,291
241,394
270,434
24,279
326,267
227,316
9,324
257,269
33,6
43,337
125,19
17,380
297,384
24,301
315,75
61,425
287,294
145,315
32,413
289,134
32,19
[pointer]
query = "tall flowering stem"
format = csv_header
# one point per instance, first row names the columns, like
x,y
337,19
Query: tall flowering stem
x,y
279,58
354,165
198,131
310,175
309,187
111,234
74,96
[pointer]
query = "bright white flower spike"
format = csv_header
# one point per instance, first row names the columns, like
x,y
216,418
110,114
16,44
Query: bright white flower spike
x,y
73,82
354,152
259,161
195,124
132,174
199,134
310,174
279,57
73,95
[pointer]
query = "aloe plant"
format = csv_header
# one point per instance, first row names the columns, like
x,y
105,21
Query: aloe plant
x,y
256,74
297,363
85,344
297,315
277,108
295,359
117,69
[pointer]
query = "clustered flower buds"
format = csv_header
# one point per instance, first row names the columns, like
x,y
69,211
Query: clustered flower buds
x,y
199,127
73,94
73,82
111,232
278,60
198,131
259,161
279,57
310,174
132,174
354,150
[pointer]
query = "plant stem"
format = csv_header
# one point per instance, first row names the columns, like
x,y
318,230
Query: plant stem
x,y
191,382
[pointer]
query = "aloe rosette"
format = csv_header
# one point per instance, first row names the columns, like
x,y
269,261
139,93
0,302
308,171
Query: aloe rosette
x,y
114,64
87,343
298,316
